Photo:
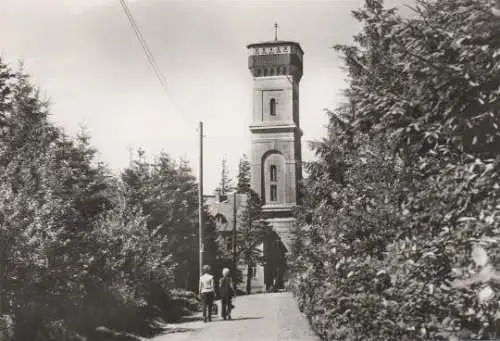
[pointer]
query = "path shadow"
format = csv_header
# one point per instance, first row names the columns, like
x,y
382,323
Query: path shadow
x,y
245,318
177,330
192,318
187,319
155,329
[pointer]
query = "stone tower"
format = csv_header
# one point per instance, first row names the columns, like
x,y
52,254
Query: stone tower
x,y
276,67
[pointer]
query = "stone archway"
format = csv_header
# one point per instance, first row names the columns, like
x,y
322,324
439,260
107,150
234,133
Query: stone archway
x,y
223,230
220,222
275,262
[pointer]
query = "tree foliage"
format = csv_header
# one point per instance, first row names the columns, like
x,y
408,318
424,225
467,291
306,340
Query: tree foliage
x,y
166,193
244,174
76,252
252,230
226,183
404,197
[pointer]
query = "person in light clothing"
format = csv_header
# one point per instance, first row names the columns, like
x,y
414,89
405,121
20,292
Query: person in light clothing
x,y
227,292
207,293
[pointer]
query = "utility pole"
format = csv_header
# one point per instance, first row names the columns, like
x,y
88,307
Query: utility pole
x,y
200,198
234,233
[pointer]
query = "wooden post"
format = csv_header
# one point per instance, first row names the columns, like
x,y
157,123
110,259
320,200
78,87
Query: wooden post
x,y
235,211
200,199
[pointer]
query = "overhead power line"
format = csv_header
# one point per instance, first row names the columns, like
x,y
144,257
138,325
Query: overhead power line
x,y
154,65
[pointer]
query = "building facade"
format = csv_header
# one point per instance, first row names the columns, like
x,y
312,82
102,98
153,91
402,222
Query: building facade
x,y
276,157
227,211
276,151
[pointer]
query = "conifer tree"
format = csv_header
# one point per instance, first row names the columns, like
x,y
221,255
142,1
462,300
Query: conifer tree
x,y
167,193
226,184
252,231
72,256
253,228
244,169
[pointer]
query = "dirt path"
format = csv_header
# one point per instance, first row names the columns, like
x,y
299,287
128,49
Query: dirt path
x,y
256,317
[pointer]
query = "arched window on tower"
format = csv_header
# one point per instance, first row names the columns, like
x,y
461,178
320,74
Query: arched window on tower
x,y
274,193
273,177
272,107
274,174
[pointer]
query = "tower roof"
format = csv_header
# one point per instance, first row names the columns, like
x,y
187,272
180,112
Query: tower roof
x,y
276,43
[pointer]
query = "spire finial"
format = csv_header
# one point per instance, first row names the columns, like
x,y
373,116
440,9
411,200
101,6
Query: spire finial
x,y
275,31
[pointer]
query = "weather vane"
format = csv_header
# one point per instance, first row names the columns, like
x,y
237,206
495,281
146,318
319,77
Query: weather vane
x,y
275,31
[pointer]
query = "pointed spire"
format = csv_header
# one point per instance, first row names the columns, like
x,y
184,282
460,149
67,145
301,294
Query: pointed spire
x,y
275,31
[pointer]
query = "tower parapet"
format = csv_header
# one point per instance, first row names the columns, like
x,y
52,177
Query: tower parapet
x,y
276,58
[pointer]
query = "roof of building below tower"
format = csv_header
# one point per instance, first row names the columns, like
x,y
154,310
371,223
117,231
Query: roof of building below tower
x,y
276,42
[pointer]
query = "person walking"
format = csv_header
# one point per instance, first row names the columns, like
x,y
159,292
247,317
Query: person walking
x,y
227,292
207,293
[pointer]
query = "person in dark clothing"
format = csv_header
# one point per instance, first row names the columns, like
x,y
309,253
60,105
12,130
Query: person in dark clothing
x,y
227,292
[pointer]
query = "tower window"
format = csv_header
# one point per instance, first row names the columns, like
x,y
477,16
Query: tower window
x,y
274,193
274,174
272,107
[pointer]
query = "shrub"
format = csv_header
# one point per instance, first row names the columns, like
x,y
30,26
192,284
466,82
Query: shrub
x,y
6,328
398,236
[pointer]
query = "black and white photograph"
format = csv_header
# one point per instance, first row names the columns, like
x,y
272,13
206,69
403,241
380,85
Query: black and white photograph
x,y
249,170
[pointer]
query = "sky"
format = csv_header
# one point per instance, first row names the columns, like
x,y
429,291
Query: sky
x,y
85,58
